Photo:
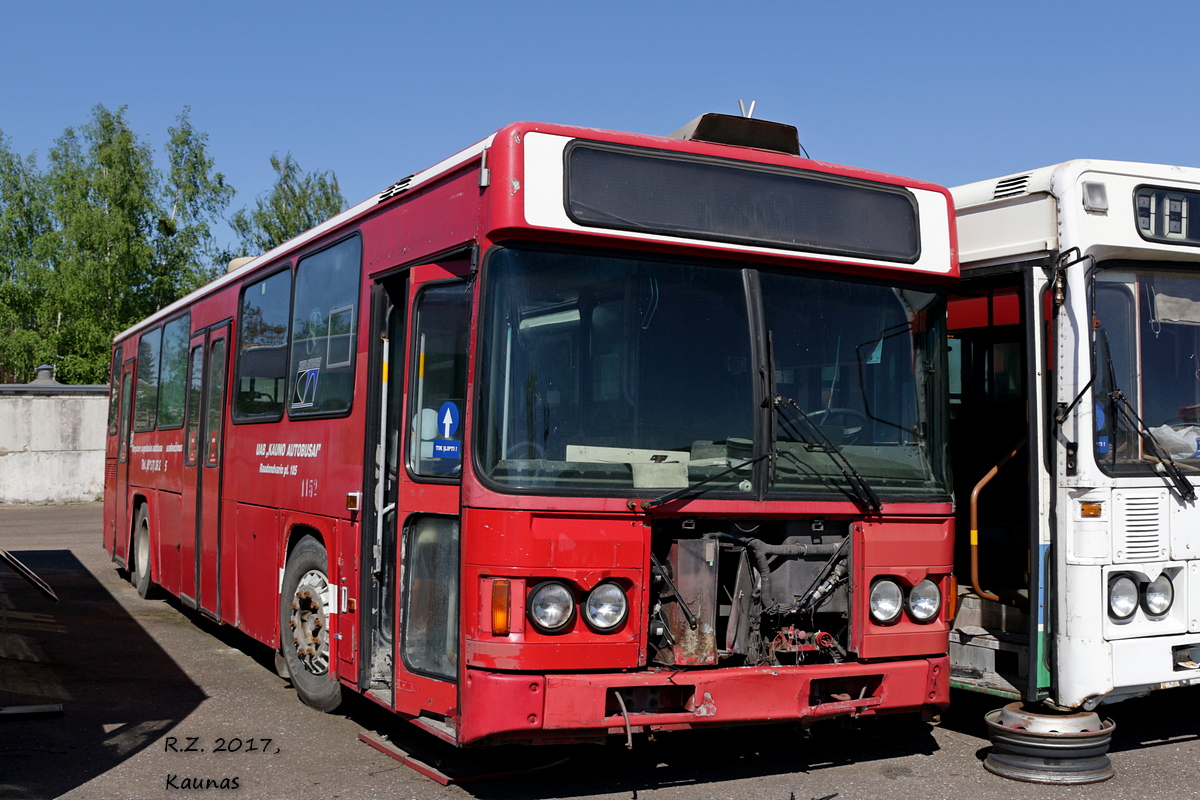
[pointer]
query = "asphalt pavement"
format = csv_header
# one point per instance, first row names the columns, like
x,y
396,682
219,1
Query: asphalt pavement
x,y
156,699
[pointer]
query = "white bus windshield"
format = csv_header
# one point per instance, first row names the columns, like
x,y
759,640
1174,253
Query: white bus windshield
x,y
1147,346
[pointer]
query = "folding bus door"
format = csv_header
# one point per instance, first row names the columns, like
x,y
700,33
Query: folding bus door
x,y
121,522
422,320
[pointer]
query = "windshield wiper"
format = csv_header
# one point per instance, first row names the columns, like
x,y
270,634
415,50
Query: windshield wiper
x,y
1120,402
820,442
694,488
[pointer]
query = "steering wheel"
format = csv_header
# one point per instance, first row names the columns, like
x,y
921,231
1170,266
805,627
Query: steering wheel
x,y
854,421
522,450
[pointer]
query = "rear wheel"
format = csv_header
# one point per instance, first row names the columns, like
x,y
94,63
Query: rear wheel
x,y
305,603
139,574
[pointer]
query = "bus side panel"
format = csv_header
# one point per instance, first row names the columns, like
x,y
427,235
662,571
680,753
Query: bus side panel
x,y
435,220
257,572
168,531
259,468
227,555
346,572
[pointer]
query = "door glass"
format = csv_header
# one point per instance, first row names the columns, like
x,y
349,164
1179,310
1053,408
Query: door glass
x,y
126,403
441,338
431,597
195,373
114,393
214,405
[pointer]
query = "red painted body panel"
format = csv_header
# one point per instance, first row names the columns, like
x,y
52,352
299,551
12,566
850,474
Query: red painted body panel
x,y
911,550
170,522
543,707
525,684
257,555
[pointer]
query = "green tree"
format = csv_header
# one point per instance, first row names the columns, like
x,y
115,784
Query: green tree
x,y
194,198
24,266
298,201
104,190
100,240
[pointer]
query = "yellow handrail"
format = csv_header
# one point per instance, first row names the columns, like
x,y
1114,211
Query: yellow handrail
x,y
975,521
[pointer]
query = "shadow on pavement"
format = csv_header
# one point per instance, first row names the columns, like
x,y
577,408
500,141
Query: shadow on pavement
x,y
119,690
686,758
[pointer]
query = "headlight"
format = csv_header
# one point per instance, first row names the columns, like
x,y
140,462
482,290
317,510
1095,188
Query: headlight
x,y
606,607
886,600
1122,597
551,606
924,601
1158,596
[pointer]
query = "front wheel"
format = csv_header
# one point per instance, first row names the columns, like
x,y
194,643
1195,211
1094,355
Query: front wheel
x,y
305,605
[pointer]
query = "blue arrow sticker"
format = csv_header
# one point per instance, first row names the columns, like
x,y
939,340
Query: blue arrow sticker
x,y
447,420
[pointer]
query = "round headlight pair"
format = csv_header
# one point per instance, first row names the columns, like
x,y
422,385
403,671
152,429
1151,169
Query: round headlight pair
x,y
887,601
551,607
1124,598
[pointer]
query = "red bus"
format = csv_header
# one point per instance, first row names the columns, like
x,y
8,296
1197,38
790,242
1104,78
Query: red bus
x,y
574,434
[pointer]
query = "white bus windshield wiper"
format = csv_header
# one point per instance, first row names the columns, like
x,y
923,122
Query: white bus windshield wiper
x,y
820,442
1121,403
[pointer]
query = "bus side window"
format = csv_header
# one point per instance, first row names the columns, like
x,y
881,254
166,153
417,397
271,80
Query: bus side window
x,y
324,327
262,366
441,334
145,408
114,392
172,390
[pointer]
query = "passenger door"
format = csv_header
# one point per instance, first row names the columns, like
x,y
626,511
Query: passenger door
x,y
203,468
120,517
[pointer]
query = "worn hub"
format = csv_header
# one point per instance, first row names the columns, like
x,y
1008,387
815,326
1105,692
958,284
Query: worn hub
x,y
309,622
1039,746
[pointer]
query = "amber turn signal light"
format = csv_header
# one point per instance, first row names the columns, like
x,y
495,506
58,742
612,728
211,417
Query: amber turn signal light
x,y
500,606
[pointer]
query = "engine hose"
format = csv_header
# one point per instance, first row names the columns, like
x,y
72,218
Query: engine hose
x,y
761,550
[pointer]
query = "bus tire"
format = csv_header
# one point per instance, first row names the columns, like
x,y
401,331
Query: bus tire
x,y
139,574
304,625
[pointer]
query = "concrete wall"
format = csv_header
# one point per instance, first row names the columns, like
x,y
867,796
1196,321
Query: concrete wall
x,y
52,446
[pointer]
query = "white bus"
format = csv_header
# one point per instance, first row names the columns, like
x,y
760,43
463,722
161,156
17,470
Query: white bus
x,y
1075,370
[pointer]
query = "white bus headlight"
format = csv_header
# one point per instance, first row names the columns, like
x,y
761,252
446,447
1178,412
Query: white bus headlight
x,y
1122,597
1158,596
606,607
886,600
924,601
551,606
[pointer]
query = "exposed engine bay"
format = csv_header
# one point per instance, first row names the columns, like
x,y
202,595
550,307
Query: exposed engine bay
x,y
749,593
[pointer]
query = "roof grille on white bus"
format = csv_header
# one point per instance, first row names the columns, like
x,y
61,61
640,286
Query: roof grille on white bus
x,y
1011,187
395,189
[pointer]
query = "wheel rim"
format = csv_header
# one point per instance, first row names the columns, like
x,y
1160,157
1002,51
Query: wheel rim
x,y
309,622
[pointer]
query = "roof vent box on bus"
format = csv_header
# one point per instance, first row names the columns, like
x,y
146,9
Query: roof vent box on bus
x,y
238,263
741,132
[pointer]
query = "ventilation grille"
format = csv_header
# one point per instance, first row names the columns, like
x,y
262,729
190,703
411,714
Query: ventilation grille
x,y
1011,187
395,189
1140,529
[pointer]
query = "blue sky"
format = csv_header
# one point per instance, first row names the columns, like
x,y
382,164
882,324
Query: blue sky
x,y
947,92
